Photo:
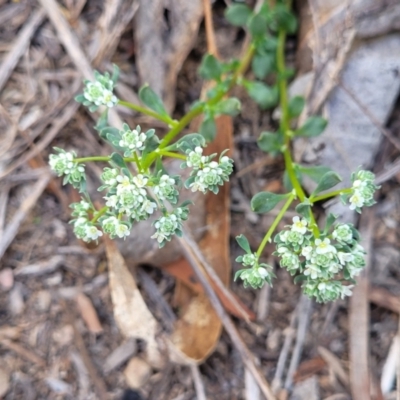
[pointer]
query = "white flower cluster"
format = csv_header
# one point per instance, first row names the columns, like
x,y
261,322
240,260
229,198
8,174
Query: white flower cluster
x,y
128,196
320,261
207,175
170,224
99,92
255,276
128,200
165,189
363,190
63,163
132,140
83,228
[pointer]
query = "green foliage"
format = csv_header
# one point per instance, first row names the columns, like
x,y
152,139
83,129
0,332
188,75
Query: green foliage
x,y
208,128
210,68
238,14
270,142
265,96
151,99
314,126
264,202
328,181
296,105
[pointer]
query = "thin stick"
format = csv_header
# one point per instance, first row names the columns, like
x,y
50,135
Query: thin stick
x,y
198,383
20,46
304,318
13,226
97,381
23,352
280,367
187,242
210,34
359,319
247,356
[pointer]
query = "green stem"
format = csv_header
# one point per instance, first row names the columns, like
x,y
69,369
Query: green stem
x,y
95,158
99,213
171,154
187,118
285,125
137,161
146,111
274,225
331,194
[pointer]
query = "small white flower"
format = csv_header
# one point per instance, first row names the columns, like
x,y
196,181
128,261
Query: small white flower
x,y
195,158
92,233
140,180
344,258
283,250
324,246
112,201
197,186
356,201
149,206
299,225
122,230
306,251
312,270
346,291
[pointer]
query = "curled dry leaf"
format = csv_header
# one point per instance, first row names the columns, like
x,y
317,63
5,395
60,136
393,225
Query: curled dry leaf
x,y
130,311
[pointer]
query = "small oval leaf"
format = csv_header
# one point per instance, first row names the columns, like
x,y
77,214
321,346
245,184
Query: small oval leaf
x,y
243,243
151,99
238,14
314,126
265,201
328,180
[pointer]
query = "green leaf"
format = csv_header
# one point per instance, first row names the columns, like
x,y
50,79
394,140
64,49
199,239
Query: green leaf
x,y
315,173
102,122
265,201
115,74
270,142
300,278
257,25
304,209
286,180
151,99
329,222
265,96
243,243
285,19
152,144
238,14
208,128
262,64
314,126
296,105
210,68
188,142
328,180
229,106
118,160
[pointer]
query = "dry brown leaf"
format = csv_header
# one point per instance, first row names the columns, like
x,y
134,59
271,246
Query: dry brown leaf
x,y
130,311
182,271
199,328
88,313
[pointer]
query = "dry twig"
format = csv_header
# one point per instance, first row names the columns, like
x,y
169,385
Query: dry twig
x,y
359,320
13,226
247,357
